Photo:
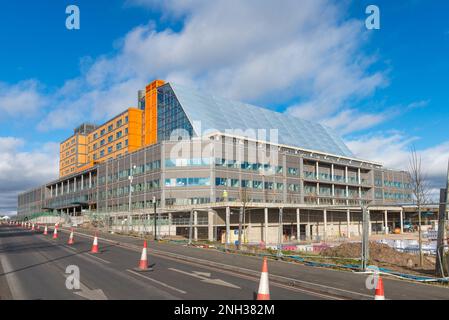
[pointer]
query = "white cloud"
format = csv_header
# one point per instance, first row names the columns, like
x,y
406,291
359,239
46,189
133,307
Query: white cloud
x,y
22,170
254,50
20,99
393,150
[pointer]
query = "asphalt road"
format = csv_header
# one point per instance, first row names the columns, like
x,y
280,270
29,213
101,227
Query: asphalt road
x,y
33,266
343,283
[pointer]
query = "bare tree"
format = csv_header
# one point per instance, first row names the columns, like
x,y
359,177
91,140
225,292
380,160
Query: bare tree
x,y
420,190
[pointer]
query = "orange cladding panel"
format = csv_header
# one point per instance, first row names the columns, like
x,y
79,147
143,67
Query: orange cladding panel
x,y
150,131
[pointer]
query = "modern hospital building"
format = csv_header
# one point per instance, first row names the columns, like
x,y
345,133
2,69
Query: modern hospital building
x,y
191,151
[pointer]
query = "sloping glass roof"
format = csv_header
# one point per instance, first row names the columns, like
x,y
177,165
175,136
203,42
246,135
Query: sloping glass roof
x,y
207,112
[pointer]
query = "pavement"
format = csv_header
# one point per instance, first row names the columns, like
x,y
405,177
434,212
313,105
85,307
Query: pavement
x,y
343,284
34,266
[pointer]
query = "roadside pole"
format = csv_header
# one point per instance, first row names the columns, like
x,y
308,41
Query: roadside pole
x,y
280,232
154,218
444,196
240,229
365,237
190,226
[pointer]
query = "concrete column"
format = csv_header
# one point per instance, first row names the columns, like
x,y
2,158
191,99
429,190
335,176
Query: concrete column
x,y
195,223
332,172
210,225
51,191
228,227
298,225
348,221
74,211
308,237
346,174
56,189
359,177
317,169
401,219
90,180
62,188
386,221
265,226
82,182
325,225
74,184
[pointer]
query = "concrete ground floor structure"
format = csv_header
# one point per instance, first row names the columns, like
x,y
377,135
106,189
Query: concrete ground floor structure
x,y
266,223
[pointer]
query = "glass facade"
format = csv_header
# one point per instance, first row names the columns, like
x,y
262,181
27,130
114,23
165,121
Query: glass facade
x,y
172,122
223,115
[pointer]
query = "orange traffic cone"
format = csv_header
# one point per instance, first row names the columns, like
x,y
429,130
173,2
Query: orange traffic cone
x,y
95,245
143,264
264,290
55,233
379,295
32,227
45,230
71,237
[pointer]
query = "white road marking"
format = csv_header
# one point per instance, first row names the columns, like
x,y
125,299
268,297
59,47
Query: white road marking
x,y
158,282
92,256
197,275
95,294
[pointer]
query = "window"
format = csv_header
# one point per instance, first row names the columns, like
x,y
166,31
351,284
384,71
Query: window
x,y
247,184
101,153
183,182
257,185
95,146
119,123
110,138
126,130
126,142
221,181
95,136
110,127
102,142
103,131
126,119
118,146
119,134
109,149
293,171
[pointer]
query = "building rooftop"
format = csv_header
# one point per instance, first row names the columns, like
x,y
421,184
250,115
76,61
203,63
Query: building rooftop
x,y
209,112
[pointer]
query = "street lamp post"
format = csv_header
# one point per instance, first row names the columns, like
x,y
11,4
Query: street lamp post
x,y
154,218
130,178
281,232
190,226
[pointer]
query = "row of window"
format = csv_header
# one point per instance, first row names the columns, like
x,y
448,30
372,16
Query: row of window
x,y
254,184
338,178
194,162
393,195
118,135
252,166
124,174
110,150
137,188
110,128
187,182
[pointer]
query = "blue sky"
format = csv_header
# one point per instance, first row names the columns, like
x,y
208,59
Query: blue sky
x,y
383,90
